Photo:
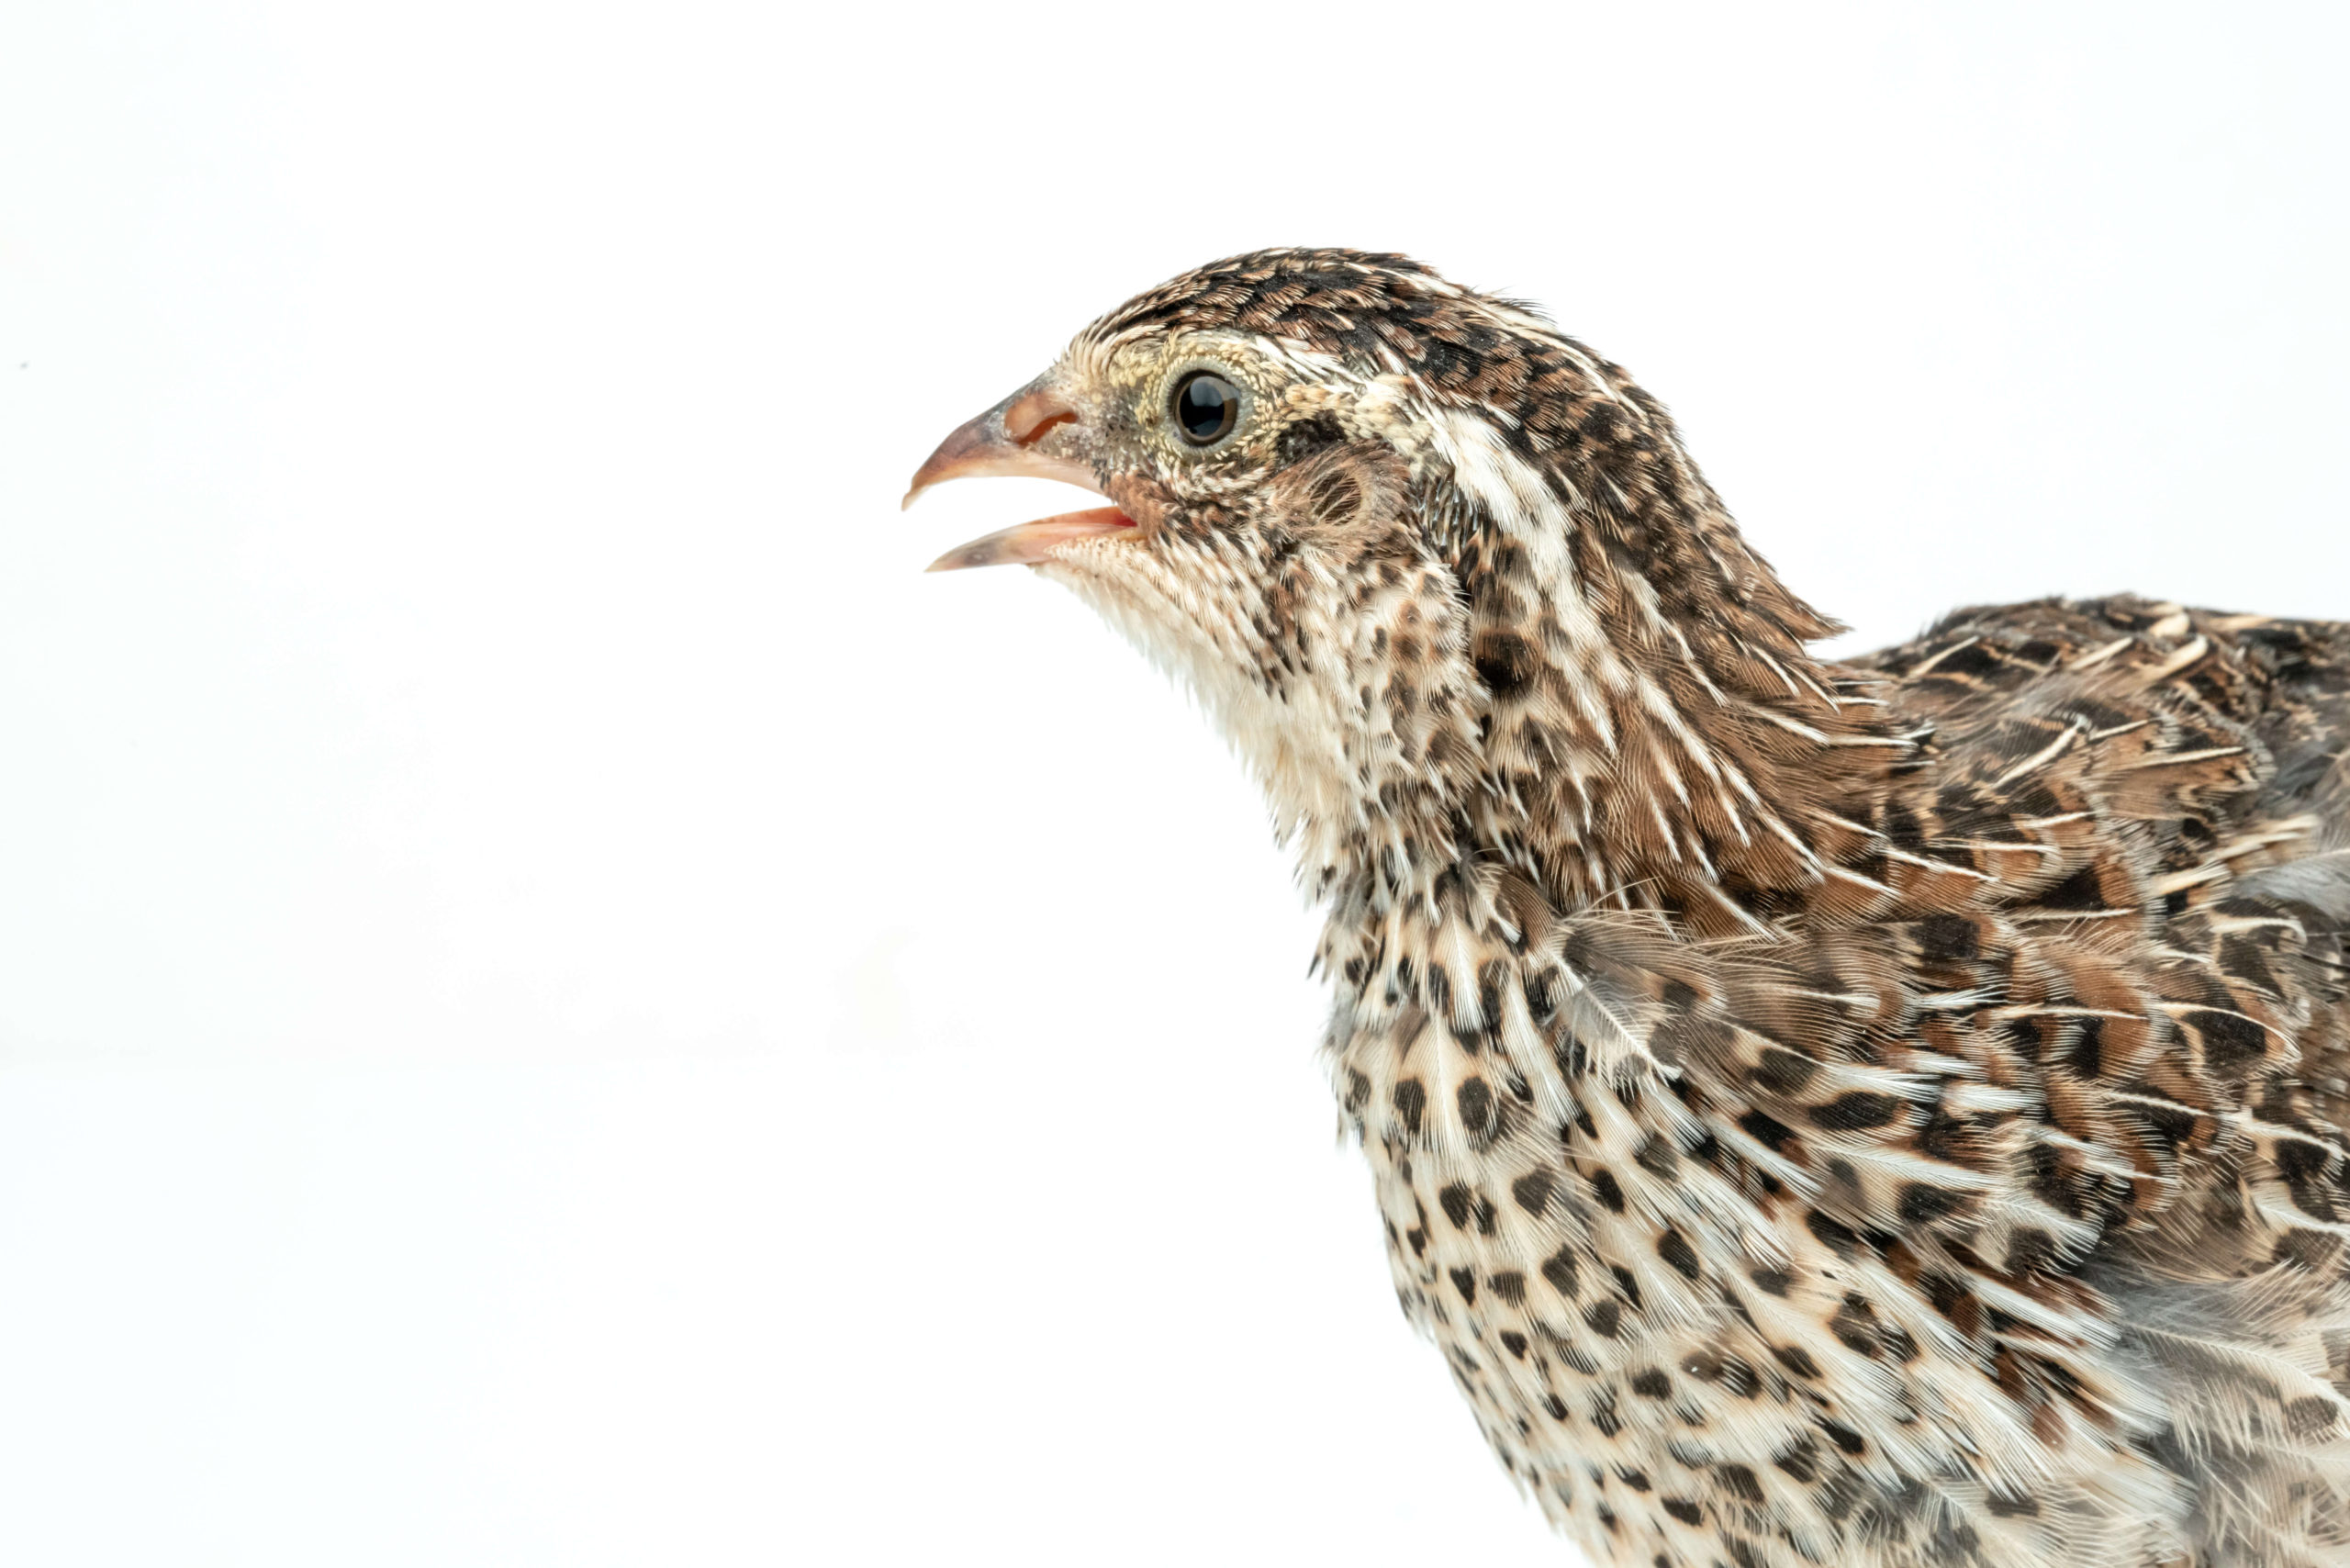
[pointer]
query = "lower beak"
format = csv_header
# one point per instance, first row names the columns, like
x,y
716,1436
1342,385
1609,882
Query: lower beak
x,y
1004,442
1032,543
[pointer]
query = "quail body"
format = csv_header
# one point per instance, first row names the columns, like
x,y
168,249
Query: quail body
x,y
1887,1113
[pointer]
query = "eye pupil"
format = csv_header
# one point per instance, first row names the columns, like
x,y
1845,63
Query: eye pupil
x,y
1206,406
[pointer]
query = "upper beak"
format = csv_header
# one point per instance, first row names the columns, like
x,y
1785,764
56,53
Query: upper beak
x,y
1004,441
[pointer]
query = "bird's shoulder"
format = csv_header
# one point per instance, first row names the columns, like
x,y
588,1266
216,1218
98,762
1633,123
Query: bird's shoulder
x,y
2141,817
2166,708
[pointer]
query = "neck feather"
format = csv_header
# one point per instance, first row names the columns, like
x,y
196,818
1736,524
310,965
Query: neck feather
x,y
1602,691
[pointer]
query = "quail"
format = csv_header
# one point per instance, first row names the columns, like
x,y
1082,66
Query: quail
x,y
1886,1112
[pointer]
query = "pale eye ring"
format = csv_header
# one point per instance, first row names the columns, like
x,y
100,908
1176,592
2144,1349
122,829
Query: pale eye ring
x,y
1204,407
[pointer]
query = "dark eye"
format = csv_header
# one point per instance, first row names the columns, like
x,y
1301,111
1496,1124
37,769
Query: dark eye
x,y
1205,405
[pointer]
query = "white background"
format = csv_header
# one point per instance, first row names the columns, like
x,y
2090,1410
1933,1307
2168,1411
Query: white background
x,y
561,1003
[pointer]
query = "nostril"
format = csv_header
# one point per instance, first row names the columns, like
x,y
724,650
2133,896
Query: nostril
x,y
1038,434
1029,418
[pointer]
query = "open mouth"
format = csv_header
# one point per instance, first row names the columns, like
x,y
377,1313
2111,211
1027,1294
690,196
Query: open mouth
x,y
1003,441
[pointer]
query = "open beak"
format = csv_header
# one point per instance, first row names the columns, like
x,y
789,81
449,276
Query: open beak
x,y
1004,441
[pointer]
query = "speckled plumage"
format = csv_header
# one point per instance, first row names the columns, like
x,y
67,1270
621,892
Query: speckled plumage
x,y
1874,1114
